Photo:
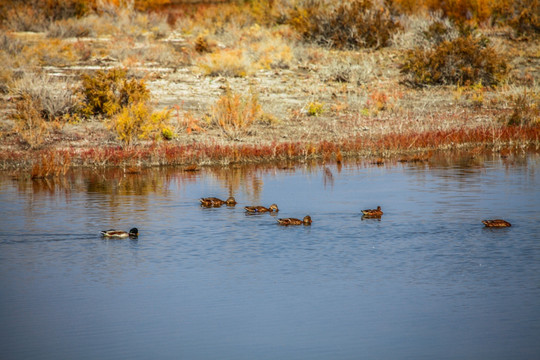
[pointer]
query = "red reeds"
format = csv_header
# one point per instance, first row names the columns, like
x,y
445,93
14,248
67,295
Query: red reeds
x,y
56,162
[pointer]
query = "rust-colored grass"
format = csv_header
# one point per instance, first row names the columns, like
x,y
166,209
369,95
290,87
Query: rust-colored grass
x,y
403,146
51,164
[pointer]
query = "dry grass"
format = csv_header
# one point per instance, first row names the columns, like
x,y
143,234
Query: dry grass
x,y
29,123
228,63
234,114
51,99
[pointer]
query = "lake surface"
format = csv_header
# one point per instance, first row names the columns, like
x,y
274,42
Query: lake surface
x,y
427,281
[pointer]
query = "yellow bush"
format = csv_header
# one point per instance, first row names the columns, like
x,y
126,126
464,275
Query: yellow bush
x,y
315,108
138,121
106,93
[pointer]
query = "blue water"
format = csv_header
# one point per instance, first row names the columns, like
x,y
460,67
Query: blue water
x,y
426,281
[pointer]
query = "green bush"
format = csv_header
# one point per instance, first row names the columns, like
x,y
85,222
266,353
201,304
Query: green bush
x,y
106,93
464,60
351,24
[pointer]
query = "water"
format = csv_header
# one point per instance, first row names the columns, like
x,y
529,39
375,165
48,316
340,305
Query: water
x,y
427,281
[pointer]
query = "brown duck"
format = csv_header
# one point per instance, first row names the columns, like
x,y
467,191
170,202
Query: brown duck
x,y
372,213
261,209
293,221
215,202
496,223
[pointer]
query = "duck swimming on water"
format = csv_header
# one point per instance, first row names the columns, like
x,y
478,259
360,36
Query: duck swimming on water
x,y
215,202
261,209
372,213
293,221
119,234
496,223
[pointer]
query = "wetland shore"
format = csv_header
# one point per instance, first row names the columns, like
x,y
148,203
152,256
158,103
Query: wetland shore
x,y
313,102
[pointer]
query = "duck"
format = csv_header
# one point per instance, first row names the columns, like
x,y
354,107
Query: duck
x,y
260,209
215,202
373,213
496,223
293,221
119,234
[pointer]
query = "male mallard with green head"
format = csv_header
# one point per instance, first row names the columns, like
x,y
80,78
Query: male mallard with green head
x,y
294,221
261,209
373,213
496,223
119,234
215,202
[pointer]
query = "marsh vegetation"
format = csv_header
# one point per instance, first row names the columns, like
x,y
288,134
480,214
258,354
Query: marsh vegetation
x,y
144,83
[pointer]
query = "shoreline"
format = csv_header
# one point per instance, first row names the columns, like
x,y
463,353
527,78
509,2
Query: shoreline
x,y
55,161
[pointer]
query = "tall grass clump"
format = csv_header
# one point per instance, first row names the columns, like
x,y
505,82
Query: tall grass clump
x,y
525,110
70,28
10,58
344,25
41,105
50,164
234,114
29,123
52,99
228,63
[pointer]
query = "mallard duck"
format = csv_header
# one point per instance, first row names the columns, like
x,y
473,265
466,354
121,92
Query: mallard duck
x,y
260,209
294,221
215,202
119,234
496,223
373,212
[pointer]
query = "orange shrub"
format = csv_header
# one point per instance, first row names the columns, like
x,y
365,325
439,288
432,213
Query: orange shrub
x,y
465,60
